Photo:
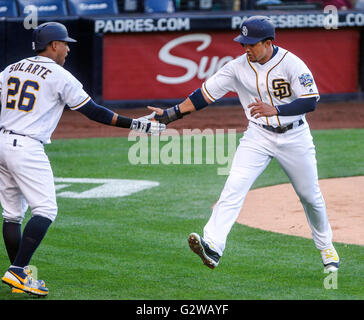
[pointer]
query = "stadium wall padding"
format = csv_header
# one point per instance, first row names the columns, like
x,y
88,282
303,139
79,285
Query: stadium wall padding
x,y
128,61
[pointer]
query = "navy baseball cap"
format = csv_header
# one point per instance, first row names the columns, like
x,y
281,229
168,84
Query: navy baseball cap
x,y
255,29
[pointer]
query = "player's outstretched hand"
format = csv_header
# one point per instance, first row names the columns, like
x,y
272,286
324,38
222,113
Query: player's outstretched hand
x,y
261,109
166,115
144,125
156,111
160,115
148,117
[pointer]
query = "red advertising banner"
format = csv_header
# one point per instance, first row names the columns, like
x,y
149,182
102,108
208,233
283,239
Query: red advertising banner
x,y
172,65
331,55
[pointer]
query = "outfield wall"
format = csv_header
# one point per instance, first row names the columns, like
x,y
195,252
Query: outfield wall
x,y
136,60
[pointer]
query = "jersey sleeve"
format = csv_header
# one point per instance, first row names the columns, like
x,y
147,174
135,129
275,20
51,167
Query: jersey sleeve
x,y
302,81
220,83
72,92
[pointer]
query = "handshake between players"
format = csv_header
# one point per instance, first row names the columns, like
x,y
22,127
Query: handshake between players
x,y
147,124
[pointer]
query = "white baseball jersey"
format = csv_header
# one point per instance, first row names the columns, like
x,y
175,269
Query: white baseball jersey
x,y
34,93
282,79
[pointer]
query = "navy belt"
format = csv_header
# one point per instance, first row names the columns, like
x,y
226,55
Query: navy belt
x,y
17,134
281,129
12,132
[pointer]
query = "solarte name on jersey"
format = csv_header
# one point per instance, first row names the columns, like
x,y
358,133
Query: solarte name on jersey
x,y
30,67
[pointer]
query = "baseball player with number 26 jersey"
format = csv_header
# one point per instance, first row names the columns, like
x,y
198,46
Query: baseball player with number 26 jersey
x,y
34,92
276,90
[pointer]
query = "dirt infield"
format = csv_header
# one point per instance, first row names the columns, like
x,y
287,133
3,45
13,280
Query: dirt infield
x,y
346,213
327,116
344,201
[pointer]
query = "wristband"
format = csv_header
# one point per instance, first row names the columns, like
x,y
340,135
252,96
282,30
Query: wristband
x,y
123,122
174,113
170,114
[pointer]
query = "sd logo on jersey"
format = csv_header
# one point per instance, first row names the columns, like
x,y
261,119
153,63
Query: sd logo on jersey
x,y
282,89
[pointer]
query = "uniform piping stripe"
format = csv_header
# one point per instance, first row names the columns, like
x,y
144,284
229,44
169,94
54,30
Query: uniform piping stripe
x,y
270,97
207,93
81,104
256,76
310,94
38,61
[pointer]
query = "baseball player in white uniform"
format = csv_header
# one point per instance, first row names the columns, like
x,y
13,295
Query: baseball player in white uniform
x,y
276,90
34,92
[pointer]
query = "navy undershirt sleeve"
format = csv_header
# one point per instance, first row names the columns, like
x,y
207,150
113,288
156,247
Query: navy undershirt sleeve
x,y
198,99
96,112
297,107
103,115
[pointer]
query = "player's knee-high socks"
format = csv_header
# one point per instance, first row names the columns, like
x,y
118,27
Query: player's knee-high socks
x,y
12,238
33,234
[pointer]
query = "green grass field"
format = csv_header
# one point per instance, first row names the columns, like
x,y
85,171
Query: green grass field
x,y
135,247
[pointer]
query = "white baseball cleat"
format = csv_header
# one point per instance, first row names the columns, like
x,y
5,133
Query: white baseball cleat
x,y
209,257
330,259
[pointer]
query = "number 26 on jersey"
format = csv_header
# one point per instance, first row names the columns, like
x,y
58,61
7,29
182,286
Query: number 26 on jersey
x,y
21,95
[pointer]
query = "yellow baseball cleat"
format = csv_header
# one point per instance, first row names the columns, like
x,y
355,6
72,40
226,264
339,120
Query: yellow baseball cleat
x,y
330,259
18,279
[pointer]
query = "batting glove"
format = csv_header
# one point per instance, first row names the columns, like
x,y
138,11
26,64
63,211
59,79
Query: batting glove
x,y
144,125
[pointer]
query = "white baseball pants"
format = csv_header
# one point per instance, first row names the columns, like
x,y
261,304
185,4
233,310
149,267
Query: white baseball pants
x,y
26,178
295,152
